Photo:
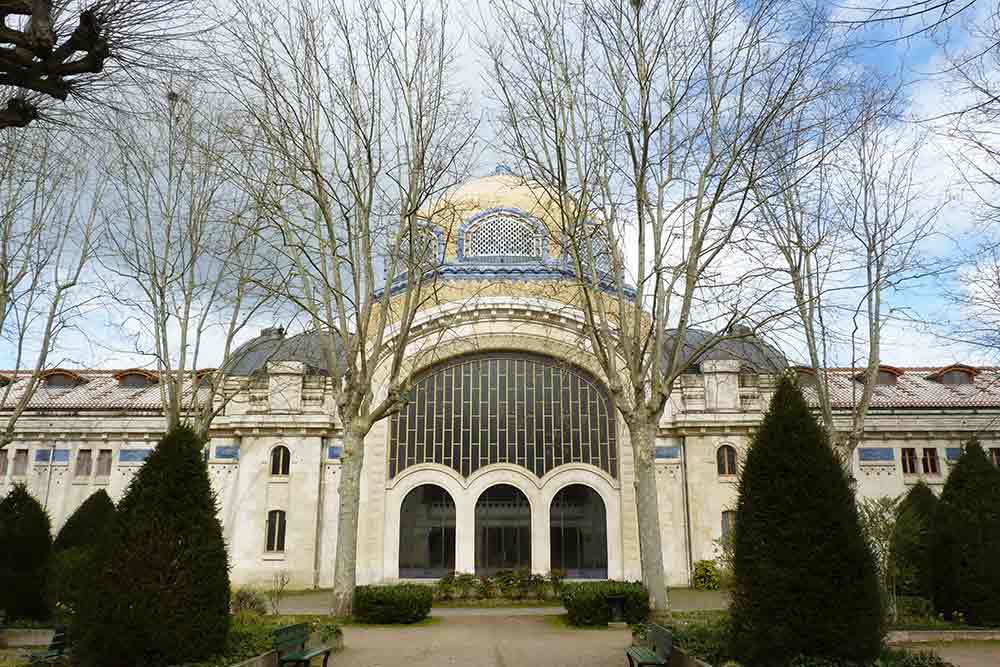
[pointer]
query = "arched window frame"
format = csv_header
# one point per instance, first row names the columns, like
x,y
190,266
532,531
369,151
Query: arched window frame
x,y
726,460
514,538
281,461
557,521
447,531
274,538
536,239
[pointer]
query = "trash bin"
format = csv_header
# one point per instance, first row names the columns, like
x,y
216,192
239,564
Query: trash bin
x,y
616,608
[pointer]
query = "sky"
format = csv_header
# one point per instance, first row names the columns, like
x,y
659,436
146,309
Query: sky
x,y
919,315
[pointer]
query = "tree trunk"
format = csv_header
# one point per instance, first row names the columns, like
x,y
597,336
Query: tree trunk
x,y
345,565
643,436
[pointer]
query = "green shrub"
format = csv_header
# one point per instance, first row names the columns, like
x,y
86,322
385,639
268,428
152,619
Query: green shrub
x,y
507,583
444,588
966,540
25,550
486,588
587,603
159,593
556,579
86,526
248,600
465,585
706,575
912,541
69,578
804,578
903,658
402,603
707,638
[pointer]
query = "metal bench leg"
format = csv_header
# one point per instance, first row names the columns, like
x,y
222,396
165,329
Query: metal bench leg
x,y
326,659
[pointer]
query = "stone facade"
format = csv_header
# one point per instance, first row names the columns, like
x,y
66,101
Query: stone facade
x,y
282,401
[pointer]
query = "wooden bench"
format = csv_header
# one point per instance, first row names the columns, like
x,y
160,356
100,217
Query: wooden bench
x,y
658,653
58,646
290,643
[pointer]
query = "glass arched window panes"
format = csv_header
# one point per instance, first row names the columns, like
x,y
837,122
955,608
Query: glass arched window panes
x,y
426,533
725,459
281,459
502,238
275,531
504,407
728,523
503,530
578,533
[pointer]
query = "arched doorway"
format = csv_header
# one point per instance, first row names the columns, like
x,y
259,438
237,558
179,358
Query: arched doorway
x,y
503,530
426,533
578,533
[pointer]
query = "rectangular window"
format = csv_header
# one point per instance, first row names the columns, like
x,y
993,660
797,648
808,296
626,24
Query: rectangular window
x,y
929,461
909,461
104,463
728,523
84,464
20,463
275,531
995,456
3,462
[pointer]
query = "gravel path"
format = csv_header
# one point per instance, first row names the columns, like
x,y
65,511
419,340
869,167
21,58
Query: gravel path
x,y
494,641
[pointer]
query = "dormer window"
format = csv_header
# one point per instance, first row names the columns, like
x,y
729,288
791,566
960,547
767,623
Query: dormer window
x,y
5,380
806,375
136,378
502,237
203,375
884,376
59,378
955,374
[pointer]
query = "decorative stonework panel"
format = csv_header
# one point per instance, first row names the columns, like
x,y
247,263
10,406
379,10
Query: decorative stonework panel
x,y
504,407
500,236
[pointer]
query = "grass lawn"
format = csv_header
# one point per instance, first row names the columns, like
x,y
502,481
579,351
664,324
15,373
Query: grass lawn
x,y
497,603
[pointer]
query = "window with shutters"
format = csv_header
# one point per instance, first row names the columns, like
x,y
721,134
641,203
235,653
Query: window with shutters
x,y
20,463
280,460
929,461
909,461
728,523
104,463
84,463
725,460
3,462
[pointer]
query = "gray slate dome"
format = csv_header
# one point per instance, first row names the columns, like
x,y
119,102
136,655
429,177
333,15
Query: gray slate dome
x,y
751,351
271,345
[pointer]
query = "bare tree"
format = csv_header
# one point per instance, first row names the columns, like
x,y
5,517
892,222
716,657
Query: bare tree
x,y
362,127
55,50
183,242
646,123
48,208
845,219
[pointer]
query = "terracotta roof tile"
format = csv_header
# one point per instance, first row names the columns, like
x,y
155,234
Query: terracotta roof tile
x,y
99,391
915,389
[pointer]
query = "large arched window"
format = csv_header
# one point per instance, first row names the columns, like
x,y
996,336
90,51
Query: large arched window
x,y
578,532
504,407
426,533
725,460
280,460
503,530
275,531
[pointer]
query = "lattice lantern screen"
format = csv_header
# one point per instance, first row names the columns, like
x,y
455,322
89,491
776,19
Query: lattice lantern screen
x,y
517,408
502,237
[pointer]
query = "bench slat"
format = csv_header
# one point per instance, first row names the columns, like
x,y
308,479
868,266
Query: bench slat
x,y
307,654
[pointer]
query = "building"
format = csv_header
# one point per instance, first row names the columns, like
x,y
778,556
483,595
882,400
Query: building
x,y
507,453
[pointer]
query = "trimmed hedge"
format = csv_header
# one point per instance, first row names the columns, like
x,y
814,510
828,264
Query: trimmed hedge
x,y
805,579
159,591
587,603
966,540
25,550
402,603
912,540
86,526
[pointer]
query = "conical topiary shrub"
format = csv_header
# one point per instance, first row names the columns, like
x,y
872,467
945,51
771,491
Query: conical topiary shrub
x,y
160,591
912,540
966,540
25,549
87,524
804,579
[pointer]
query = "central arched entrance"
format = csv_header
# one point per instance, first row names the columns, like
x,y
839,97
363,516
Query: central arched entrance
x,y
503,530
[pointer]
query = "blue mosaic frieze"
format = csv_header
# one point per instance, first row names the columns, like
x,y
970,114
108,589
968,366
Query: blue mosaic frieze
x,y
673,452
876,454
228,452
58,456
133,455
952,453
333,452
